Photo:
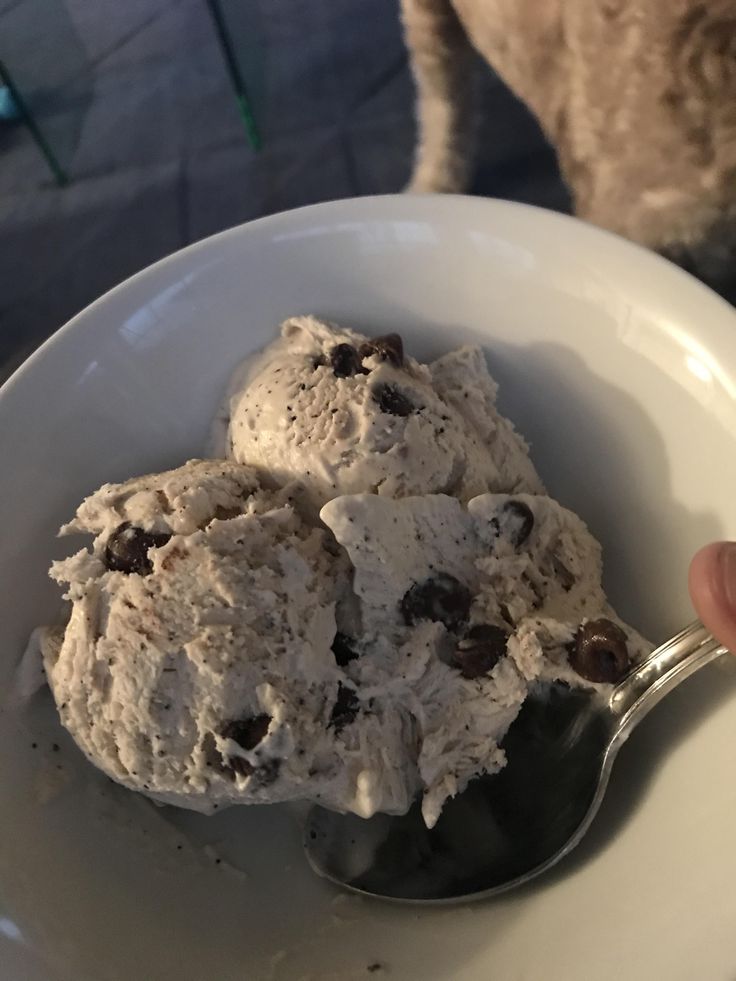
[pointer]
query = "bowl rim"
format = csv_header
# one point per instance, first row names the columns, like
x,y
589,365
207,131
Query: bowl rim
x,y
429,205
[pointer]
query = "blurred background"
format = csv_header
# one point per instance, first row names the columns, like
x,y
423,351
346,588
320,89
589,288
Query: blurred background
x,y
130,128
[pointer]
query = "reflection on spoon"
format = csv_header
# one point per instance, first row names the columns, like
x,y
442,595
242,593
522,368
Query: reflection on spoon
x,y
505,829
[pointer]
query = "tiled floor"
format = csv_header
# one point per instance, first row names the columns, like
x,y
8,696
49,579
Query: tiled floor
x,y
157,150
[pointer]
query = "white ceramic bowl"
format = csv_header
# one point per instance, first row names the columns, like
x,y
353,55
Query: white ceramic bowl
x,y
620,369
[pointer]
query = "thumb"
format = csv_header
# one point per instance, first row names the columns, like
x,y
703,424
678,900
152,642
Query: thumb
x,y
712,584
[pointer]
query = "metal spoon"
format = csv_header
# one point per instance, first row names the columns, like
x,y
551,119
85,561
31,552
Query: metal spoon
x,y
505,829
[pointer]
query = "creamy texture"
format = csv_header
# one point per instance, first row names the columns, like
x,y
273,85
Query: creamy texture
x,y
351,610
247,658
390,429
535,593
210,680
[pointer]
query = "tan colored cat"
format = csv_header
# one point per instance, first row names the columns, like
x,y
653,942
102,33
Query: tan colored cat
x,y
638,97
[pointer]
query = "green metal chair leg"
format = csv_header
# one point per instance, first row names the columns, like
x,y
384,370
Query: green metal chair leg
x,y
231,63
26,116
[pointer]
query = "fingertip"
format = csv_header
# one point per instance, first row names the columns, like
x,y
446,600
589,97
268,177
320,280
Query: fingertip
x,y
712,586
703,570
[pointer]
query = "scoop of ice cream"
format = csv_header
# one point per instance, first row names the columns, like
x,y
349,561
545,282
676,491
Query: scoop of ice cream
x,y
199,664
345,414
464,610
222,649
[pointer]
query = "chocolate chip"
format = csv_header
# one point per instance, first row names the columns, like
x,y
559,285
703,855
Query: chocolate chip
x,y
599,652
392,401
388,347
345,708
127,549
342,648
345,361
247,733
480,650
441,598
515,522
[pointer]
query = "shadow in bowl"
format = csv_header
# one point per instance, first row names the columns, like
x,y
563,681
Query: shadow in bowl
x,y
670,723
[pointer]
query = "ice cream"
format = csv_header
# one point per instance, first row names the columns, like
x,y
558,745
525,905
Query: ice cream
x,y
350,610
464,610
203,665
345,414
197,665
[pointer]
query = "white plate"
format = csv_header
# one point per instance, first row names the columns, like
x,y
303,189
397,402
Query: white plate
x,y
621,371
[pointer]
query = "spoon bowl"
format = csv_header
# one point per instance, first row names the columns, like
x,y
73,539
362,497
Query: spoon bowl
x,y
508,828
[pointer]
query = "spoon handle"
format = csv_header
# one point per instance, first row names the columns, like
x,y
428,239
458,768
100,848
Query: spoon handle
x,y
663,670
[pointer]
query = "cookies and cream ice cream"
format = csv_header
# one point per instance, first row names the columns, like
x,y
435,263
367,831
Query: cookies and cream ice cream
x,y
351,610
345,414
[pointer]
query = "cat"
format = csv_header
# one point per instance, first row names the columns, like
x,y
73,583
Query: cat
x,y
637,96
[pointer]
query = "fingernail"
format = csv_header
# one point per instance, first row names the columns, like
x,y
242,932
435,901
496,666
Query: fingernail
x,y
727,564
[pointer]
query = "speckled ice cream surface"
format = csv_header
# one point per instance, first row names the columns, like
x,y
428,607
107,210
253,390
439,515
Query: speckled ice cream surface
x,y
160,676
394,429
536,594
256,661
350,610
